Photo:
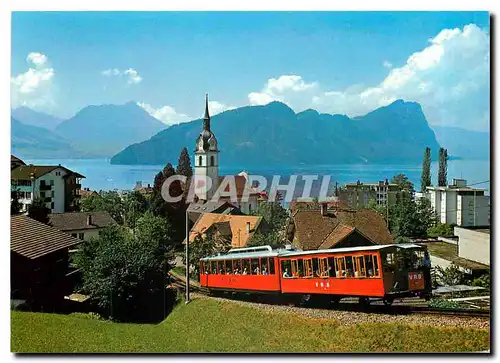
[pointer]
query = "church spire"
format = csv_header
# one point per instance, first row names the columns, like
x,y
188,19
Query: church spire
x,y
206,118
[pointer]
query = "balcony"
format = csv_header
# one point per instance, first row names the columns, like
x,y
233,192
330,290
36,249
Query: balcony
x,y
45,187
78,186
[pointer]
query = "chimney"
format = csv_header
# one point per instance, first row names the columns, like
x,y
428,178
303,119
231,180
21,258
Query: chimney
x,y
89,220
323,209
149,185
248,227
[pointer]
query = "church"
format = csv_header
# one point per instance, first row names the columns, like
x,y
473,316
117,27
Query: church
x,y
206,168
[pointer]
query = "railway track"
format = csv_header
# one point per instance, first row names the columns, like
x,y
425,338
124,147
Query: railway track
x,y
353,306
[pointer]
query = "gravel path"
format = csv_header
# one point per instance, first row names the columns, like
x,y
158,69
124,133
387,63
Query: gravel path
x,y
351,318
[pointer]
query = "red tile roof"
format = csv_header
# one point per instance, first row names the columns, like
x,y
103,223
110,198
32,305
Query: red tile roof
x,y
314,231
237,226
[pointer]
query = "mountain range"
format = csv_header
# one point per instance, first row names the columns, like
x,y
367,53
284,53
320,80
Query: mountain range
x,y
274,134
251,135
95,131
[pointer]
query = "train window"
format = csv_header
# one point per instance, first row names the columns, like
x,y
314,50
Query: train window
x,y
324,269
286,268
237,267
255,266
264,265
213,269
271,266
349,266
369,265
308,268
295,268
316,271
220,267
375,265
332,266
340,262
228,267
389,262
360,268
247,268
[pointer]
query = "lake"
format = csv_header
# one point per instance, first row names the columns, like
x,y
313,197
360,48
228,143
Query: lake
x,y
101,175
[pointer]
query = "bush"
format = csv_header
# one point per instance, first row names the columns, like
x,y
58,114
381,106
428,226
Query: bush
x,y
443,304
440,230
451,275
482,281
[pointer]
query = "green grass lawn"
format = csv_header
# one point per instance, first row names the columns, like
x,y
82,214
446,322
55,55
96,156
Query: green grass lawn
x,y
207,325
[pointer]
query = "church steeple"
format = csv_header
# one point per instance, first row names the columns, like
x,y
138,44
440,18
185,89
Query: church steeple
x,y
206,118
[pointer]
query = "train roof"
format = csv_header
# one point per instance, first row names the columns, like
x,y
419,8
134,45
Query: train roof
x,y
267,251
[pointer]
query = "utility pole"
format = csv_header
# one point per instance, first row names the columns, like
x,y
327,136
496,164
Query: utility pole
x,y
474,207
187,257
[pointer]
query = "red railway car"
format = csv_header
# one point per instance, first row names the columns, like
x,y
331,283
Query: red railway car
x,y
381,271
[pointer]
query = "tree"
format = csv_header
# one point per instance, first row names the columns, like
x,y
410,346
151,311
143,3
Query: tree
x,y
409,218
403,182
202,246
124,273
39,211
440,230
15,205
443,167
135,205
184,164
110,202
403,218
425,179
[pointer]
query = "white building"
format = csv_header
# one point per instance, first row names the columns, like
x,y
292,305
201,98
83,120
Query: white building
x,y
459,204
82,225
206,166
474,244
56,185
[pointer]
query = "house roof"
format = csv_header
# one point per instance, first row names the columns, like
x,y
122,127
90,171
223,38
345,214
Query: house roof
x,y
87,192
237,225
25,171
15,161
33,239
78,220
332,204
313,230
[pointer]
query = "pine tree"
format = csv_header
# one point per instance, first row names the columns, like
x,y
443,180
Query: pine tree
x,y
184,168
443,166
425,179
184,164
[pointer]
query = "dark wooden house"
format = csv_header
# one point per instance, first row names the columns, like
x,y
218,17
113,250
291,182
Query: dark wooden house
x,y
39,261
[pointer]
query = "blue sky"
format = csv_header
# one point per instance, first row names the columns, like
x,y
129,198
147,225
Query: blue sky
x,y
336,62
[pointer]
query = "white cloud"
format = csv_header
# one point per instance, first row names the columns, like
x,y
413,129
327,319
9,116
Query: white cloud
x,y
387,64
215,107
449,78
33,88
37,59
131,74
290,89
167,114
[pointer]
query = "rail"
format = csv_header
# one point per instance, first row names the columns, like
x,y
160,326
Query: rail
x,y
179,283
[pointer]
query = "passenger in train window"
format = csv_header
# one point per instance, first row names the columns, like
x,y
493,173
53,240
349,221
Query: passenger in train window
x,y
245,272
264,271
256,271
286,274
